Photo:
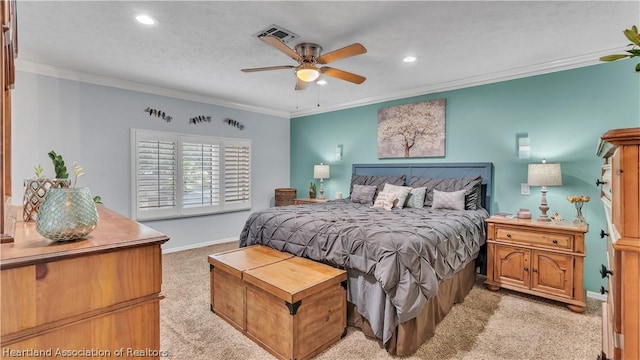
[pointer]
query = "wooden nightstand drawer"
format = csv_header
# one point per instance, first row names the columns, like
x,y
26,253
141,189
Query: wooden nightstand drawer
x,y
542,239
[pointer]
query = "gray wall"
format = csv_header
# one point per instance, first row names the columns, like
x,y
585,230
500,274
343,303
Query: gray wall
x,y
91,124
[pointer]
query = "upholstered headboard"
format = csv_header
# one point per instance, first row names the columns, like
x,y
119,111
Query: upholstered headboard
x,y
435,170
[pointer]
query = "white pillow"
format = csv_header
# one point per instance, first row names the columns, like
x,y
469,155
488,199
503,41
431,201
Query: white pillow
x,y
448,200
416,198
384,200
401,191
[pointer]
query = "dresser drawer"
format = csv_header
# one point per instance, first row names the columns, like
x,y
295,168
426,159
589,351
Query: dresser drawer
x,y
43,293
541,239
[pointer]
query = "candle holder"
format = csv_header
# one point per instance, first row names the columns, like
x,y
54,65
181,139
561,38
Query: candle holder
x,y
578,201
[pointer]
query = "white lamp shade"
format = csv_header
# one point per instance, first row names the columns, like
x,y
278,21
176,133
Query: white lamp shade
x,y
544,175
321,171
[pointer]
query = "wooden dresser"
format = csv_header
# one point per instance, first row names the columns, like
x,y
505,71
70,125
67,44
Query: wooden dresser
x,y
93,298
620,194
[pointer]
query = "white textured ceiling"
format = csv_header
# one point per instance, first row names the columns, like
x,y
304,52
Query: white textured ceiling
x,y
198,48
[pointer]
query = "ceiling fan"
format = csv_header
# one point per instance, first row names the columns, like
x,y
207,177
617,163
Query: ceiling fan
x,y
308,55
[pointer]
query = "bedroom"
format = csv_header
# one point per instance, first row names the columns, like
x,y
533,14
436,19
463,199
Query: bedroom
x,y
551,107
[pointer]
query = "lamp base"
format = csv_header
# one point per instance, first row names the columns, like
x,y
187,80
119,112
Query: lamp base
x,y
543,206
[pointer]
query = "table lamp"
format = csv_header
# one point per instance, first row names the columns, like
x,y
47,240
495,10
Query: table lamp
x,y
544,175
321,172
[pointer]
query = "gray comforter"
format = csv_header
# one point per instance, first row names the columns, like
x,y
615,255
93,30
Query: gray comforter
x,y
408,251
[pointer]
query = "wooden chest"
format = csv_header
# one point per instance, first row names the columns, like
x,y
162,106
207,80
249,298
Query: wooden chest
x,y
226,273
295,308
285,196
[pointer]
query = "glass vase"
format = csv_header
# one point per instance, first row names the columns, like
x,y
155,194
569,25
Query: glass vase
x,y
67,214
579,219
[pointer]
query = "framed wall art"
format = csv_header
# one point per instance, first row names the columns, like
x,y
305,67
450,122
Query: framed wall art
x,y
412,130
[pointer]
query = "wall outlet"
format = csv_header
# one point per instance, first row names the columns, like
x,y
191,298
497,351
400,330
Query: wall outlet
x,y
524,189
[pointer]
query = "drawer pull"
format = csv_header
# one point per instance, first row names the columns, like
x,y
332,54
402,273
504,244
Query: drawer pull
x,y
598,182
526,268
509,236
554,241
603,234
604,271
535,270
603,290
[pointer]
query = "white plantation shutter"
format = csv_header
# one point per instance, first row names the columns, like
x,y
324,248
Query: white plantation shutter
x,y
200,174
237,174
181,175
156,175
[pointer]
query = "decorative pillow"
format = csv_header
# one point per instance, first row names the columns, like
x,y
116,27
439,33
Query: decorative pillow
x,y
376,180
448,200
363,194
452,184
415,199
385,200
401,191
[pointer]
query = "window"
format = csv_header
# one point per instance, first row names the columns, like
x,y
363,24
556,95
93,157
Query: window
x,y
176,175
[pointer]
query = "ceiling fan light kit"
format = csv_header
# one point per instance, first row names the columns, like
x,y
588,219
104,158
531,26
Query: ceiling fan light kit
x,y
308,55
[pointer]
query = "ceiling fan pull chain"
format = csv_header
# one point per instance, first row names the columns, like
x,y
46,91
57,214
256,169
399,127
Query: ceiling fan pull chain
x,y
318,97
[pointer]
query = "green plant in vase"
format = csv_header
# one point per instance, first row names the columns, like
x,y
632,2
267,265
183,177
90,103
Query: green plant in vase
x,y
312,190
67,213
37,188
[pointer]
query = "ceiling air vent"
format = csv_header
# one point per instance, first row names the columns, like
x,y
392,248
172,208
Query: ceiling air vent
x,y
278,31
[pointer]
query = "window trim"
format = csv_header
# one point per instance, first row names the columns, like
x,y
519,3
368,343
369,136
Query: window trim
x,y
179,211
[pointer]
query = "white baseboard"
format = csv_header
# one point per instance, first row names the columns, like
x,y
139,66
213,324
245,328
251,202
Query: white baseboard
x,y
597,296
199,245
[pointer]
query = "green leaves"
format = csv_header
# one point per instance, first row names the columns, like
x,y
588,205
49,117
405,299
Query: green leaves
x,y
634,37
39,171
58,165
613,57
77,172
97,199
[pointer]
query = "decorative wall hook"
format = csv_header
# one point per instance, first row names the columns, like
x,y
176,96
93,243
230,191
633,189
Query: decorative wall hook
x,y
233,123
158,113
199,119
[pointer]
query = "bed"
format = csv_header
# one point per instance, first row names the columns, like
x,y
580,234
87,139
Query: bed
x,y
407,265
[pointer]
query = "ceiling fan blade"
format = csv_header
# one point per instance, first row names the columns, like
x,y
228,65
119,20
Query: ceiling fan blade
x,y
344,75
268,68
347,51
276,43
301,85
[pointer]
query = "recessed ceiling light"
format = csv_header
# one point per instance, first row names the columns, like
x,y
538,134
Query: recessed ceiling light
x,y
409,59
146,20
321,82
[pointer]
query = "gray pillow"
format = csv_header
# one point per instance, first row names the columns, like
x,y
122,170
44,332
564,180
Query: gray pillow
x,y
470,185
416,196
453,200
401,194
363,194
376,180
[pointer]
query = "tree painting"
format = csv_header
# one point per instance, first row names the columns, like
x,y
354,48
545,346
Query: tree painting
x,y
411,130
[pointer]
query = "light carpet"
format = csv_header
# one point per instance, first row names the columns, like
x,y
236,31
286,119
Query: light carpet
x,y
487,325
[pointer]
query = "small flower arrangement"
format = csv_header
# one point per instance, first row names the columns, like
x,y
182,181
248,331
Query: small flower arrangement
x,y
578,198
578,201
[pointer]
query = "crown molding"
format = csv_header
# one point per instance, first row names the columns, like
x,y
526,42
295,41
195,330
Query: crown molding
x,y
67,74
511,74
489,78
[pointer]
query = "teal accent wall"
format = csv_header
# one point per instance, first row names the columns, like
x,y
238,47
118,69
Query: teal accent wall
x,y
564,113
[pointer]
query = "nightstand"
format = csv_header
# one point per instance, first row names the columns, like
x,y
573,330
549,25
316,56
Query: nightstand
x,y
301,201
538,258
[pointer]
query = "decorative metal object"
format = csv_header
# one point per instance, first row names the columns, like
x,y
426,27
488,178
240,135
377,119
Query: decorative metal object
x,y
67,214
199,119
158,113
34,193
233,123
